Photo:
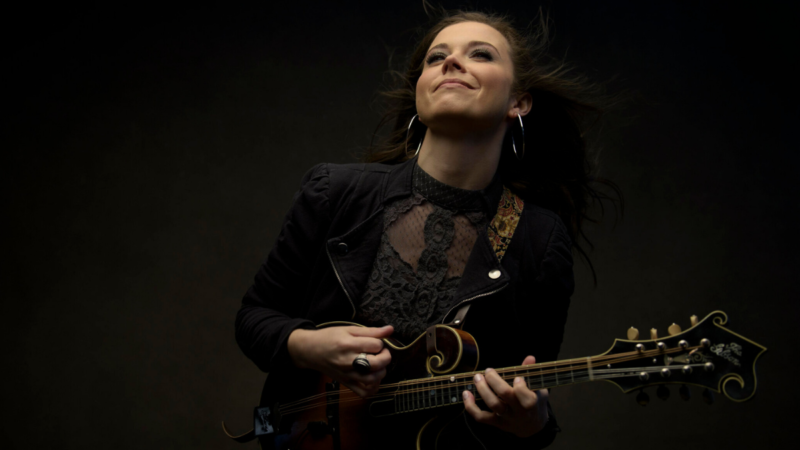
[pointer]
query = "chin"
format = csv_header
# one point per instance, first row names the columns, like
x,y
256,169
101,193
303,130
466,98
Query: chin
x,y
456,117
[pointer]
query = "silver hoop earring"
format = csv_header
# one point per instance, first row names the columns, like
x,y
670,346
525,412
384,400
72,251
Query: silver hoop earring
x,y
409,131
514,145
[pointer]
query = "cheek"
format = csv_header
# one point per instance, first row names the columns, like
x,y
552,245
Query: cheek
x,y
423,82
423,89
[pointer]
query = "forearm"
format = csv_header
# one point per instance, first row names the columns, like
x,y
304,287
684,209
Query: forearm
x,y
263,334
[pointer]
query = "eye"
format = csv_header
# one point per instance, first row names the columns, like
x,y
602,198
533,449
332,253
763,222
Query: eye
x,y
435,56
482,53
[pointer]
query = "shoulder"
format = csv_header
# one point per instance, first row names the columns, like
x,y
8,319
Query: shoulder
x,y
345,174
358,172
544,225
345,183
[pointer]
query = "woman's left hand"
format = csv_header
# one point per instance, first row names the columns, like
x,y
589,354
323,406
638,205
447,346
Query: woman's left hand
x,y
517,410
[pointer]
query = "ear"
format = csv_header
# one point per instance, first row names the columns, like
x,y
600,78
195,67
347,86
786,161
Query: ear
x,y
521,105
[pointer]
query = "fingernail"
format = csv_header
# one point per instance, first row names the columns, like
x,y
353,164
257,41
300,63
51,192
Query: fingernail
x,y
488,369
478,378
518,380
465,395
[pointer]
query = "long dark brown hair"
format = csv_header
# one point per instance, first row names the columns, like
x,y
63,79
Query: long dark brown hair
x,y
556,172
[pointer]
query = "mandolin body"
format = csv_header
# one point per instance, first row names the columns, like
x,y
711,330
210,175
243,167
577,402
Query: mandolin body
x,y
331,417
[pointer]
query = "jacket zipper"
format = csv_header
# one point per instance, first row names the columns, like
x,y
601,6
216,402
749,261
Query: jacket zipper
x,y
473,298
353,305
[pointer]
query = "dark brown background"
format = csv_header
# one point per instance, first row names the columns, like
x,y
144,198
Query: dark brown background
x,y
152,152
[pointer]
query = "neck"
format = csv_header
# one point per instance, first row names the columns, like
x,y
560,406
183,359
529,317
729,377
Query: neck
x,y
465,161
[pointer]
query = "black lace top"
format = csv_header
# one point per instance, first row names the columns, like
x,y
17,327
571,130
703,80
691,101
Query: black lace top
x,y
426,242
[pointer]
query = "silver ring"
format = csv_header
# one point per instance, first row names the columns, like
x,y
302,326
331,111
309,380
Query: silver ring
x,y
361,364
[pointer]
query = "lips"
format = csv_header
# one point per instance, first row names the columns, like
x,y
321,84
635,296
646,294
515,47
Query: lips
x,y
454,80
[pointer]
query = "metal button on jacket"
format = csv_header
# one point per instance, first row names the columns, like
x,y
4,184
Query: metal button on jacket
x,y
494,274
342,248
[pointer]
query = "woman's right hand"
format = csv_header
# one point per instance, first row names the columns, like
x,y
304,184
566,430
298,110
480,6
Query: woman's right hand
x,y
332,351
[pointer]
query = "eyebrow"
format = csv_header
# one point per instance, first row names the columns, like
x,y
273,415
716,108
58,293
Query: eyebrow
x,y
470,45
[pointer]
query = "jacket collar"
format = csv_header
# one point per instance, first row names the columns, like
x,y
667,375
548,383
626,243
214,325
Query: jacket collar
x,y
400,184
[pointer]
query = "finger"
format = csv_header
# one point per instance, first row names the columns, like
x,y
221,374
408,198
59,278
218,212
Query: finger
x,y
478,414
365,344
528,360
527,398
488,395
501,389
355,387
370,378
370,389
380,333
381,360
376,362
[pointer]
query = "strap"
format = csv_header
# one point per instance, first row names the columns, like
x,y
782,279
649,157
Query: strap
x,y
458,321
505,222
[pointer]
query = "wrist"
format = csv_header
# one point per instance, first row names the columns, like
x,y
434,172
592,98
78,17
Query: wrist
x,y
295,344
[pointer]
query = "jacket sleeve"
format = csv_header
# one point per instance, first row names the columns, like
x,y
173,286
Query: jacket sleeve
x,y
549,296
546,298
273,307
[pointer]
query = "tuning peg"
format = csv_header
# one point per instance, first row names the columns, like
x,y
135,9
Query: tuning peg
x,y
642,398
662,392
708,396
693,320
684,392
653,334
674,329
633,334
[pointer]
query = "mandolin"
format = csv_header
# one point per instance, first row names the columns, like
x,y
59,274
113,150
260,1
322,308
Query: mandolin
x,y
423,385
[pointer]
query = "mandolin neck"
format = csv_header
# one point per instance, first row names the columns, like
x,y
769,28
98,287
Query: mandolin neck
x,y
439,391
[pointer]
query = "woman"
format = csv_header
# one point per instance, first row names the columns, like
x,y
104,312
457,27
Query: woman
x,y
404,243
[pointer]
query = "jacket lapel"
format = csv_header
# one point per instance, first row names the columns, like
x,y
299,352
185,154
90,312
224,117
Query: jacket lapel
x,y
353,253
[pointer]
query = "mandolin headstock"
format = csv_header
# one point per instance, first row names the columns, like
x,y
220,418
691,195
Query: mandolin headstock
x,y
707,355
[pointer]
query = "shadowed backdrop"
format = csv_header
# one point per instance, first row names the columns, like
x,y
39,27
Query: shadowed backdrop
x,y
153,152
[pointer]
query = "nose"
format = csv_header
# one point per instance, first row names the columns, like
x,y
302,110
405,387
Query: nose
x,y
452,63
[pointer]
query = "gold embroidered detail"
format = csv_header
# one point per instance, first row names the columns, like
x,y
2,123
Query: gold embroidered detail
x,y
501,230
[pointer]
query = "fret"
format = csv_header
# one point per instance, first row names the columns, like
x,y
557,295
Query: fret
x,y
541,378
571,373
398,400
450,388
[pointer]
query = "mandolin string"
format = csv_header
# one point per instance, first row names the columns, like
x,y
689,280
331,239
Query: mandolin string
x,y
583,377
559,366
352,398
566,366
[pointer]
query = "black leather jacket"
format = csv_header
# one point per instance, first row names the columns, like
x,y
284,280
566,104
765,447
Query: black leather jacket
x,y
318,267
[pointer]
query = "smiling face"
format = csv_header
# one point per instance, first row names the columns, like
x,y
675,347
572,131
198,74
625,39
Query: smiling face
x,y
466,80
